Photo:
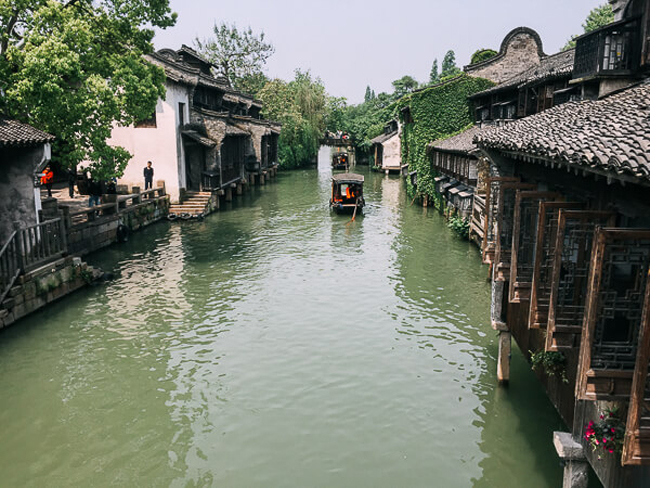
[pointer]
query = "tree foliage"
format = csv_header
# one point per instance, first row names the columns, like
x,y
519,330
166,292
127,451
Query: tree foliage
x,y
434,76
237,55
368,96
482,55
76,68
449,68
597,18
438,112
406,84
302,106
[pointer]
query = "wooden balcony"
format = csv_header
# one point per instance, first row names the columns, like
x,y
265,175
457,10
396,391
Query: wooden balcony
x,y
613,50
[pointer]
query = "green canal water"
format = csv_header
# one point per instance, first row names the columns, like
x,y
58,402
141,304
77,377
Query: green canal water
x,y
276,344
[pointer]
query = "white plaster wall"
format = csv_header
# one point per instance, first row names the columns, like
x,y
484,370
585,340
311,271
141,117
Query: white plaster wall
x,y
392,152
161,145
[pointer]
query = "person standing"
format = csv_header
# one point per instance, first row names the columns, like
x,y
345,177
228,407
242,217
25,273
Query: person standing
x,y
72,179
47,178
94,191
148,176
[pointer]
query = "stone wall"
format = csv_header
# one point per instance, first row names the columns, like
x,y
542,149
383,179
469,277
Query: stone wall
x,y
520,49
19,199
44,285
86,237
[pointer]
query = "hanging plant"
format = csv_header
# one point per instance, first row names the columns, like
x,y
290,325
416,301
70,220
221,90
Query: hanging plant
x,y
553,363
459,226
607,433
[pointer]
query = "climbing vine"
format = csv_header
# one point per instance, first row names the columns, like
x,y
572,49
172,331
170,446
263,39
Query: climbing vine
x,y
436,112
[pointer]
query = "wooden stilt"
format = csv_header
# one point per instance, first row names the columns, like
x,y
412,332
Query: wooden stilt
x,y
503,364
228,196
240,189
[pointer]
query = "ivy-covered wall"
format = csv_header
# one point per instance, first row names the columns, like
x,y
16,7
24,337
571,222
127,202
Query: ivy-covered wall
x,y
437,112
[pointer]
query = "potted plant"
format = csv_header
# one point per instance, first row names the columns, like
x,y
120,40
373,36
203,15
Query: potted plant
x,y
606,435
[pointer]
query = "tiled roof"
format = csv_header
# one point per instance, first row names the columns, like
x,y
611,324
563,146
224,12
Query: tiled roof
x,y
611,134
231,130
463,142
14,133
380,139
550,67
181,72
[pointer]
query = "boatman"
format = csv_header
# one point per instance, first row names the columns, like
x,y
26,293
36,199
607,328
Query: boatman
x,y
148,176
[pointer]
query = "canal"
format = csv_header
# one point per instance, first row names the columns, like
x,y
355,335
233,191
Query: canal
x,y
276,345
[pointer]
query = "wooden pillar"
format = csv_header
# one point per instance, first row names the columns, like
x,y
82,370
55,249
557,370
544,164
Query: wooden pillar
x,y
228,196
503,362
240,189
262,179
576,468
505,337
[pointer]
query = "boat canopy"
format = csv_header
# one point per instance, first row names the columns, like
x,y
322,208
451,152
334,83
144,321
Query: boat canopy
x,y
347,178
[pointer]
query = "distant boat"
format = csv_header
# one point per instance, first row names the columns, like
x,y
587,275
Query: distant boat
x,y
340,160
347,193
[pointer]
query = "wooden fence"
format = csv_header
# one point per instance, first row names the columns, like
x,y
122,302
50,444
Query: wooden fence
x,y
28,248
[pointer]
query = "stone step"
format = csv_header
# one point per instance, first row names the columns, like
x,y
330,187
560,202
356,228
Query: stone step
x,y
185,206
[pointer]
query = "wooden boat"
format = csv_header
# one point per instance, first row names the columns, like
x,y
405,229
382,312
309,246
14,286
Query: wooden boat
x,y
347,193
340,160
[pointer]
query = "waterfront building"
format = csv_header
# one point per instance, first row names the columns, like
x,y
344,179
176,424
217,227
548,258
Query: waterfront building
x,y
24,152
538,88
387,148
567,236
203,137
456,161
520,50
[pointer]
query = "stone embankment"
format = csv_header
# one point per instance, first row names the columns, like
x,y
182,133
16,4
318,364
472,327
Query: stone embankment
x,y
37,288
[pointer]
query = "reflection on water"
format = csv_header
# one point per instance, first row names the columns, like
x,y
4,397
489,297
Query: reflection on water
x,y
276,344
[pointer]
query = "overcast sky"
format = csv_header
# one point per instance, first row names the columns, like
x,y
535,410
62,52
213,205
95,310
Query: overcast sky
x,y
351,44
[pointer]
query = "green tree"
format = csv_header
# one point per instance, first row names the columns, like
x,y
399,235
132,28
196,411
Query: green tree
x,y
76,68
449,68
252,84
406,84
235,54
482,55
368,96
434,76
336,113
597,18
301,105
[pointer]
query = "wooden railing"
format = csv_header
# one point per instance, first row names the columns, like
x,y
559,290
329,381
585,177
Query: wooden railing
x,y
28,248
477,219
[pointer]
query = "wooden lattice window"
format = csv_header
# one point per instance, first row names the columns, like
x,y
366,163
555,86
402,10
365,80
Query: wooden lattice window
x,y
636,448
573,250
506,210
524,236
615,303
540,293
491,215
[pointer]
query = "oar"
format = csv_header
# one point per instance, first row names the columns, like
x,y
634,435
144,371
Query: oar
x,y
356,206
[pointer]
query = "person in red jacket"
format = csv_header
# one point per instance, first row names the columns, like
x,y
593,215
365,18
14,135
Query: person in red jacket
x,y
47,178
